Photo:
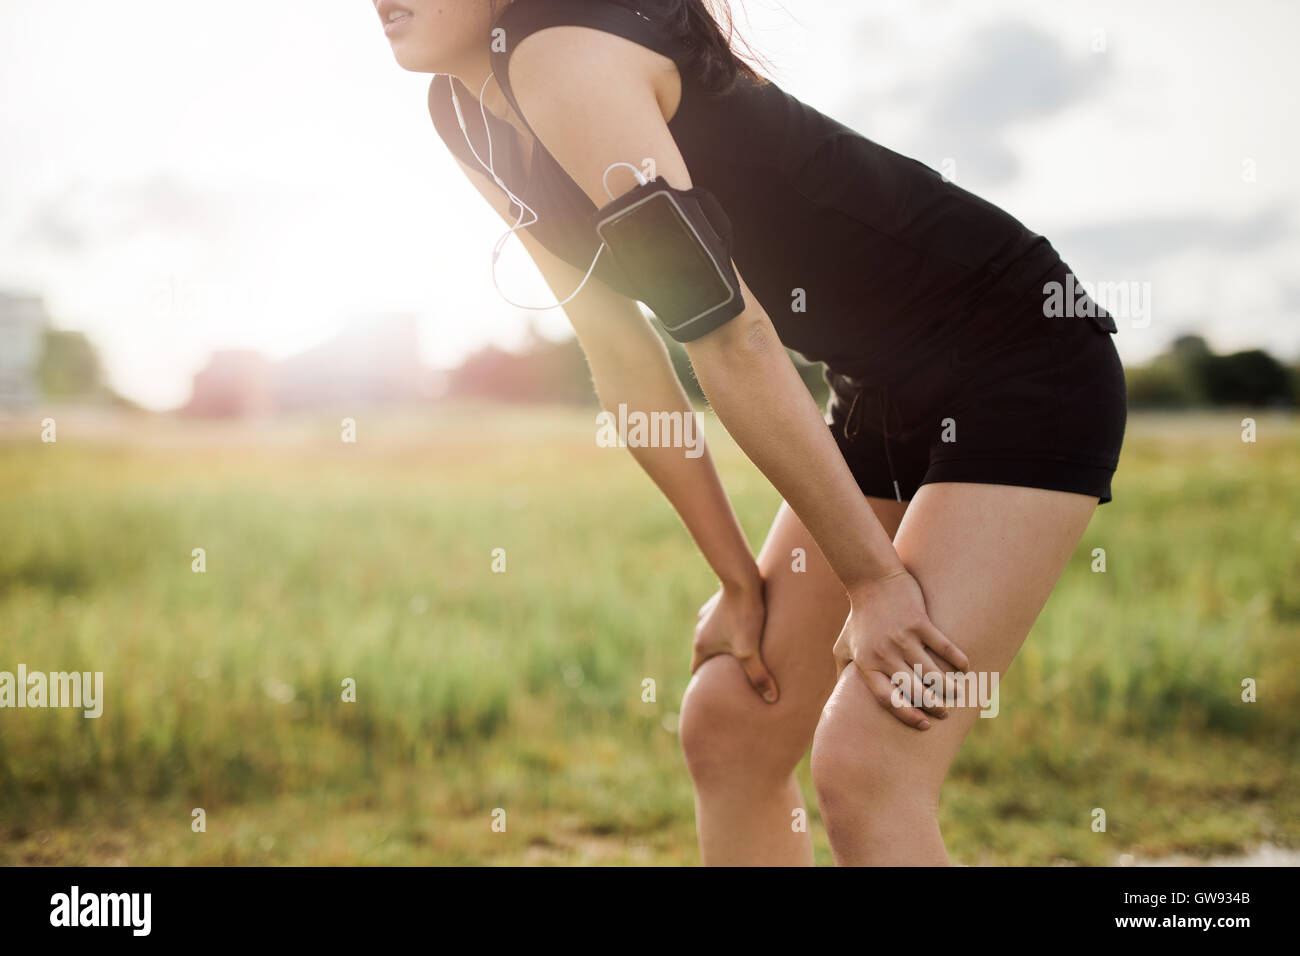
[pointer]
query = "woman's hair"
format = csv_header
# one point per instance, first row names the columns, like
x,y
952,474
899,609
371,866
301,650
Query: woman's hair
x,y
712,43
709,38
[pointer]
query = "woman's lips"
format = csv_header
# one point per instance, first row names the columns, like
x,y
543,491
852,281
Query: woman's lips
x,y
399,19
393,15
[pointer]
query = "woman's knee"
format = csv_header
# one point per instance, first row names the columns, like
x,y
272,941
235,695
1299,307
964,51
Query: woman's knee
x,y
859,766
845,772
729,733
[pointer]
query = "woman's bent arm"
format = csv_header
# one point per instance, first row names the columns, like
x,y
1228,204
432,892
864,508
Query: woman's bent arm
x,y
630,367
746,374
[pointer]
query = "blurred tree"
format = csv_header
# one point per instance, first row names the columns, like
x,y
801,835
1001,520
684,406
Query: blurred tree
x,y
1162,383
1190,373
1246,378
1189,348
69,367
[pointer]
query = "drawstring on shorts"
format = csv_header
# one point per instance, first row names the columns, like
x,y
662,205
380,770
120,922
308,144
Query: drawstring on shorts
x,y
852,425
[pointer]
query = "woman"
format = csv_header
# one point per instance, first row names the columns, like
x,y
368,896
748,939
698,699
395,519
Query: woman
x,y
973,431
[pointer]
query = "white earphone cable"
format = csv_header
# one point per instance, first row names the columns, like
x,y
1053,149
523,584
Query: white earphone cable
x,y
523,206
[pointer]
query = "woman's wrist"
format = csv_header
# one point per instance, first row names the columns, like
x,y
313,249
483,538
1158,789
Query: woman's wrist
x,y
742,578
865,584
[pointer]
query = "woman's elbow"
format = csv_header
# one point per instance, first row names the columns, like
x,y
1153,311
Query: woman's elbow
x,y
746,338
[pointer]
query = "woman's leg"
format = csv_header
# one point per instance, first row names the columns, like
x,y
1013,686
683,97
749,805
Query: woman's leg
x,y
986,558
741,751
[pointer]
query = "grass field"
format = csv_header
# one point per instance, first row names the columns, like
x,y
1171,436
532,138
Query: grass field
x,y
523,690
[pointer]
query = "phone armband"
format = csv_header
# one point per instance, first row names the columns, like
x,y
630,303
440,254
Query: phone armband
x,y
673,248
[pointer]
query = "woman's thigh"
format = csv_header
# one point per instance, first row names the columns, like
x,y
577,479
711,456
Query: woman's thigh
x,y
806,607
986,557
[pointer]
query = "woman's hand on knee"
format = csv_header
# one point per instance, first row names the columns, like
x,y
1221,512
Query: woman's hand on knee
x,y
890,638
731,622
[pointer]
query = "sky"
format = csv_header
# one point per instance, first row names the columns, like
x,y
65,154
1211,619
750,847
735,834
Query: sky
x,y
179,177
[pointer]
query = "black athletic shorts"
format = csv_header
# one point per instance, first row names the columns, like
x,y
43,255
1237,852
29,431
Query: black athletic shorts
x,y
1020,398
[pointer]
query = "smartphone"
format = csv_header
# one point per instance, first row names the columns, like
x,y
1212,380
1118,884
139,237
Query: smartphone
x,y
653,240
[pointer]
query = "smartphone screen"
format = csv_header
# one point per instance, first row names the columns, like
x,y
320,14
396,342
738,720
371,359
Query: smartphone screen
x,y
680,279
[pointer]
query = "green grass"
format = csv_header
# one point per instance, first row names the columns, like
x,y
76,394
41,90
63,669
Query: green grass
x,y
522,690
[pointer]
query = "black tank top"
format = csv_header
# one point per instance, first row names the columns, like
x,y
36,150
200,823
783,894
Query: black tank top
x,y
892,261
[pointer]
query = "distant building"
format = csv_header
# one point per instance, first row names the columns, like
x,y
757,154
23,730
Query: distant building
x,y
374,361
23,322
234,383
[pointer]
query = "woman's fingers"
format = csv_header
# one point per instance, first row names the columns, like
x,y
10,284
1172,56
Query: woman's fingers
x,y
896,694
910,681
750,662
892,698
937,641
759,676
708,605
932,699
